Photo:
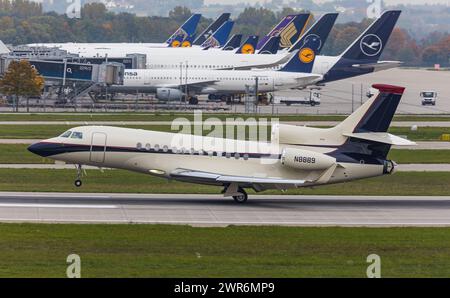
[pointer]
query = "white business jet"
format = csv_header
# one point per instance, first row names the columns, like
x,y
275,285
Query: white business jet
x,y
296,156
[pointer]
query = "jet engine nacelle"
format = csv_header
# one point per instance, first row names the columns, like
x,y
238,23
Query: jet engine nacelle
x,y
168,94
306,160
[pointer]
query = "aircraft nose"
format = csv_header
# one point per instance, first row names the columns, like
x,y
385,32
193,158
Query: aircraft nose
x,y
43,149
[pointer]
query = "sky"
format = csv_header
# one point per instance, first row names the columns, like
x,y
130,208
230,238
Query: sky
x,y
388,2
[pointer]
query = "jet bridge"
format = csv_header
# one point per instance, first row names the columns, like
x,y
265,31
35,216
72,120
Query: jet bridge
x,y
131,61
76,79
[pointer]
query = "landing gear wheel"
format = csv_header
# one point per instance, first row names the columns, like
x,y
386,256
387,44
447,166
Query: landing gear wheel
x,y
242,198
78,182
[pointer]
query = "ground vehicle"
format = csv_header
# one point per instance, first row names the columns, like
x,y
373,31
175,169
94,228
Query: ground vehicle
x,y
428,97
312,100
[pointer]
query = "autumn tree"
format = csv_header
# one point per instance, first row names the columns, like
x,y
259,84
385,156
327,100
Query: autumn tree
x,y
21,81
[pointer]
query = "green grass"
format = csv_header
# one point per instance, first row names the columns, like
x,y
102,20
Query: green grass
x,y
48,131
422,134
420,156
40,250
18,153
118,181
170,116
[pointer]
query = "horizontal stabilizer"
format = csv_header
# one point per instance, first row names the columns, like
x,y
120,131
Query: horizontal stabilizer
x,y
381,137
377,66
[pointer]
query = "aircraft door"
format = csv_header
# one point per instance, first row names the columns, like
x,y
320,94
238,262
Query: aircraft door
x,y
98,147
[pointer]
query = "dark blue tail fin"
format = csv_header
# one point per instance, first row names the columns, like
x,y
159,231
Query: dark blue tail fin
x,y
366,129
379,116
320,30
220,37
249,46
362,56
272,46
370,45
233,43
212,28
303,59
176,42
187,42
187,29
376,114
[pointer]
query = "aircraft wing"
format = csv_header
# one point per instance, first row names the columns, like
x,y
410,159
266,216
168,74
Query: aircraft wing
x,y
257,183
308,79
380,65
283,60
191,85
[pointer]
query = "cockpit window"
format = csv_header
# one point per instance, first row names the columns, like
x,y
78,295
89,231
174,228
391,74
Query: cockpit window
x,y
66,134
77,135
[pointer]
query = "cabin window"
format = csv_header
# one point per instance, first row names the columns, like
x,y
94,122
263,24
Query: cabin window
x,y
77,135
66,134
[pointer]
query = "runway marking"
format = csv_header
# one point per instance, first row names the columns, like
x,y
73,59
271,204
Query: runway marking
x,y
37,205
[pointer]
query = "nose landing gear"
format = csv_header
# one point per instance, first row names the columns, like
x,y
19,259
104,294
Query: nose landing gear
x,y
78,182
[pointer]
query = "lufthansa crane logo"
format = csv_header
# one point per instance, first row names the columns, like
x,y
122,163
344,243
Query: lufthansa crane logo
x,y
371,45
248,49
306,55
175,44
186,44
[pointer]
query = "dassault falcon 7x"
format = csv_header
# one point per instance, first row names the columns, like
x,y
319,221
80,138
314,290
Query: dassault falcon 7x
x,y
295,156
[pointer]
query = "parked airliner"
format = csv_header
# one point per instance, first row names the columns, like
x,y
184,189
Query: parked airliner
x,y
167,84
295,157
356,60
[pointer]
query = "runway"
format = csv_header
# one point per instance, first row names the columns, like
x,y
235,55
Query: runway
x,y
214,210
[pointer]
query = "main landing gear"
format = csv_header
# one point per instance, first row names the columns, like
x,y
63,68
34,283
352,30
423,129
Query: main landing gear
x,y
78,182
242,197
238,193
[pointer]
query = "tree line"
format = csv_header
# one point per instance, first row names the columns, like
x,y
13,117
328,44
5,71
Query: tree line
x,y
23,22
